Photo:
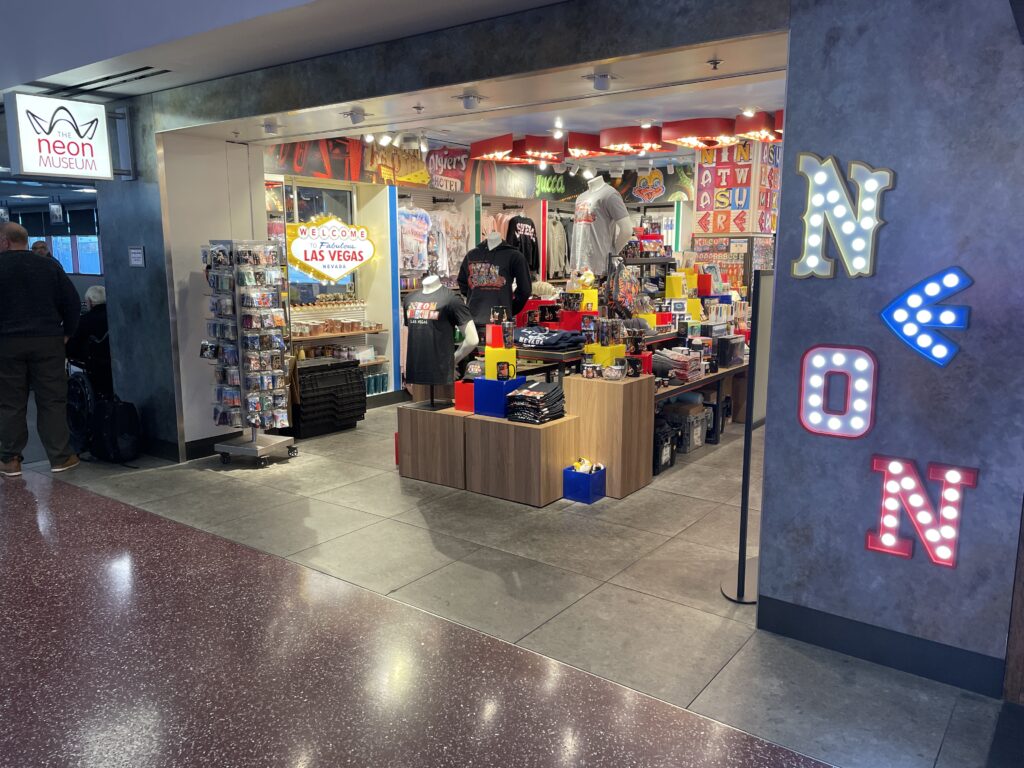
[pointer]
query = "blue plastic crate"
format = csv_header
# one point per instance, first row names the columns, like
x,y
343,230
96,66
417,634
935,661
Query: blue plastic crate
x,y
489,396
583,487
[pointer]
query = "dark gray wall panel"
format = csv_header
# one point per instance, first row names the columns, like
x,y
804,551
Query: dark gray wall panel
x,y
935,91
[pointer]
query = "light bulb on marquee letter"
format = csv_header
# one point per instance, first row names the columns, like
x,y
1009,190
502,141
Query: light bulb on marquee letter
x,y
902,488
854,228
824,367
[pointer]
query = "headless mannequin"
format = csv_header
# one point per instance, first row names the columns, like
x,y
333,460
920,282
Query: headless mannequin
x,y
623,227
493,240
470,336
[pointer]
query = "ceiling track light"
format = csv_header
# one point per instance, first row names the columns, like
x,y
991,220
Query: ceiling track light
x,y
386,139
588,174
469,99
558,133
368,138
602,81
424,144
749,111
356,115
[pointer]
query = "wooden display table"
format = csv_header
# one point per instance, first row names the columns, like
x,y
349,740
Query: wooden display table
x,y
519,462
616,428
431,445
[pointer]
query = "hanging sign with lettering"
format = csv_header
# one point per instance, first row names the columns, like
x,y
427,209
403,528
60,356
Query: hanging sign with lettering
x,y
58,137
327,249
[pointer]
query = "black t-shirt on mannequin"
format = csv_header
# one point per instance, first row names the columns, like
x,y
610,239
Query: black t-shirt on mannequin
x,y
522,235
432,319
486,277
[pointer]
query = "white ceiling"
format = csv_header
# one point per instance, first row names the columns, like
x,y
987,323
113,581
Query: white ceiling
x,y
302,32
665,86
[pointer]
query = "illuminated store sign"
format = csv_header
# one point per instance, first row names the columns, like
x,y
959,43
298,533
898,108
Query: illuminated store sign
x,y
838,384
57,137
902,488
327,249
825,368
917,318
854,229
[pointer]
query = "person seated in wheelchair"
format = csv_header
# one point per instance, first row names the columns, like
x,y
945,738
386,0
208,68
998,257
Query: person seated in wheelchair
x,y
89,348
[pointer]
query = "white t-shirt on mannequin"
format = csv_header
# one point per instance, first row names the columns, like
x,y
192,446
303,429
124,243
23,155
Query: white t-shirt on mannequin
x,y
601,225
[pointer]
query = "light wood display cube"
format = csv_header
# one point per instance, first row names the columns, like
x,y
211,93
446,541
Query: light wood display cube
x,y
432,445
616,428
519,462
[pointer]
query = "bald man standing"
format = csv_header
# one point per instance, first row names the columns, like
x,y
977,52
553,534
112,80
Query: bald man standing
x,y
39,309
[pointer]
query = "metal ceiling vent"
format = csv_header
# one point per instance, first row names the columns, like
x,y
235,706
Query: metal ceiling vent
x,y
107,82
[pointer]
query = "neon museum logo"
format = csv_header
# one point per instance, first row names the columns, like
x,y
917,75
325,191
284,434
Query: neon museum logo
x,y
62,143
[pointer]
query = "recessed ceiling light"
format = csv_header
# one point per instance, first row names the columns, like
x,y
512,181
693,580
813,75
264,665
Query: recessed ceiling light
x,y
28,197
749,112
85,190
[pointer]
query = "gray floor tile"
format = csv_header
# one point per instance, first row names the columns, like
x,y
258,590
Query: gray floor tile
x,y
94,471
698,454
649,510
387,494
690,574
728,456
497,593
721,529
213,504
983,733
385,556
374,452
845,711
383,420
151,484
306,474
344,440
469,516
660,648
756,482
701,482
566,540
294,526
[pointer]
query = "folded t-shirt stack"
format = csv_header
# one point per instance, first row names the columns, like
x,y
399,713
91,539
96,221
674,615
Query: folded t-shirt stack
x,y
538,337
668,363
536,403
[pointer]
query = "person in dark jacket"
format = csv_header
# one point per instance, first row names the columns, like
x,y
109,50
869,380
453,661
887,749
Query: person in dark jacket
x,y
90,345
39,311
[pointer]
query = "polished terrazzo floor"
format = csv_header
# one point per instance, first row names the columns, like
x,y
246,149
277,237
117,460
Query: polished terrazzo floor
x,y
627,590
131,640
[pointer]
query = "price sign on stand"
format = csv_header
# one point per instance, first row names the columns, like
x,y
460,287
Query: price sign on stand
x,y
327,249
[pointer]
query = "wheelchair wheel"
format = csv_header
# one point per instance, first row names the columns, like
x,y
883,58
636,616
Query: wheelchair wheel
x,y
81,404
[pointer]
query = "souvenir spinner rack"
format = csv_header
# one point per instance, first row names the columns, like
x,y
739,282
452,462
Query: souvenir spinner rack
x,y
247,332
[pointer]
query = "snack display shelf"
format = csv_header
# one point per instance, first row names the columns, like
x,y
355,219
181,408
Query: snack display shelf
x,y
329,336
